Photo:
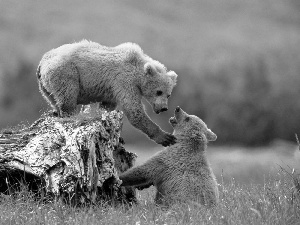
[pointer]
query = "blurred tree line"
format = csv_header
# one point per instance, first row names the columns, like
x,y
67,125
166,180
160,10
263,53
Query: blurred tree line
x,y
19,96
238,61
245,98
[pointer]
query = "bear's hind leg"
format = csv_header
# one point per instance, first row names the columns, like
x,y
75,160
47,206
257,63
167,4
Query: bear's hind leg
x,y
68,104
49,98
66,88
158,198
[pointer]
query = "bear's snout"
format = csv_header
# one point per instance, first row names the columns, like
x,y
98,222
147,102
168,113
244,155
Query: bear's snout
x,y
159,110
173,121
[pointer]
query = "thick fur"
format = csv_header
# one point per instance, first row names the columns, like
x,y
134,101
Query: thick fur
x,y
87,72
180,172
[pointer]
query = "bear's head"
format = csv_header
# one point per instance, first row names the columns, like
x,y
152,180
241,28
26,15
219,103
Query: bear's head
x,y
191,127
157,85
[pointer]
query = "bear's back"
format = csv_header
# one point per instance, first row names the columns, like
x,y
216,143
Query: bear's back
x,y
76,50
92,53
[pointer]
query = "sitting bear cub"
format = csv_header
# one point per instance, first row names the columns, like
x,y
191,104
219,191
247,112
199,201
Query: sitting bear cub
x,y
181,172
87,72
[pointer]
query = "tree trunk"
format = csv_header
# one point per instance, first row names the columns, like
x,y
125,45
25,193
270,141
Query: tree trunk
x,y
76,158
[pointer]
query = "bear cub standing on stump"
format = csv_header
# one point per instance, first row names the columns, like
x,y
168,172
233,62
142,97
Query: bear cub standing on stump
x,y
87,72
181,172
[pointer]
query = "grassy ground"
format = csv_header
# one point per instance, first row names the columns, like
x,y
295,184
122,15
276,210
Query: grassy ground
x,y
254,189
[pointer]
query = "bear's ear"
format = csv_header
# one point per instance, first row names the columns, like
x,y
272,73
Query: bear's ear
x,y
173,76
149,69
211,136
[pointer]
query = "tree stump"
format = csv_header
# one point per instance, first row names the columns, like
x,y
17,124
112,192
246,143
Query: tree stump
x,y
76,158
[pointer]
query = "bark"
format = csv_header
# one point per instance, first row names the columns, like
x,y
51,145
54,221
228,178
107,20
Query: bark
x,y
76,158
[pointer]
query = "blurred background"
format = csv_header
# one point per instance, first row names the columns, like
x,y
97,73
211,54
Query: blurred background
x,y
238,63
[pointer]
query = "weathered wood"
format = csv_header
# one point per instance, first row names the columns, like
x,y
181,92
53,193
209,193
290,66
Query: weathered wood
x,y
76,158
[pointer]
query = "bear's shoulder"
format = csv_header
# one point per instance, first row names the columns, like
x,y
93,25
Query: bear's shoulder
x,y
74,48
85,42
129,46
132,53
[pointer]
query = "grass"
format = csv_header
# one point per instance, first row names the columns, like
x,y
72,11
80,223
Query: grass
x,y
274,202
272,199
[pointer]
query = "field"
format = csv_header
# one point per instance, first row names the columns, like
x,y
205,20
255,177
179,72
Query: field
x,y
256,187
245,165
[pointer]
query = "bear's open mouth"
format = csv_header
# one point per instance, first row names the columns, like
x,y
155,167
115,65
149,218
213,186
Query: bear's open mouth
x,y
173,120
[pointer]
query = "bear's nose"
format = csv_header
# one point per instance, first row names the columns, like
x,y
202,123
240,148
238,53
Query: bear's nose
x,y
164,109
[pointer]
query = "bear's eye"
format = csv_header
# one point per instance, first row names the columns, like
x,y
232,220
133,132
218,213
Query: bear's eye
x,y
187,119
159,93
168,96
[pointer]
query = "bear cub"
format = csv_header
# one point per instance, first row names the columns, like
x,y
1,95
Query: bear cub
x,y
87,72
181,172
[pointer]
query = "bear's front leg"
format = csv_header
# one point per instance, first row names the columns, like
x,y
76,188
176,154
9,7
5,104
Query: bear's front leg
x,y
164,138
139,119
